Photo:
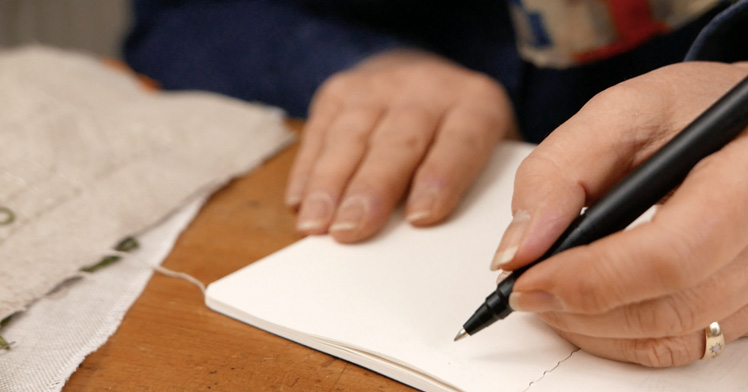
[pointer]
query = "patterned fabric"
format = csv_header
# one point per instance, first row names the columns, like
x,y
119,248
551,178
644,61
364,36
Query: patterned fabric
x,y
564,33
294,45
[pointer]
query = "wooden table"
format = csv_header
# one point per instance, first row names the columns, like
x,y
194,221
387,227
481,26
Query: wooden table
x,y
170,341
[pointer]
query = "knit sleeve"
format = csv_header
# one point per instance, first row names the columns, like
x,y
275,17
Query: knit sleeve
x,y
277,52
725,38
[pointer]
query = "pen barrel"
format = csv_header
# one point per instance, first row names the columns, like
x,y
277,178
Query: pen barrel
x,y
670,165
640,190
660,174
494,308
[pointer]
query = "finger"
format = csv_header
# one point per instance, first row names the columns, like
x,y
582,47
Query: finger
x,y
593,150
660,352
573,165
674,315
343,147
395,149
312,137
702,228
552,185
461,148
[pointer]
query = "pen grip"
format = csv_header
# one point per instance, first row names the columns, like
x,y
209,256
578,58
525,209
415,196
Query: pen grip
x,y
668,167
653,179
660,174
640,190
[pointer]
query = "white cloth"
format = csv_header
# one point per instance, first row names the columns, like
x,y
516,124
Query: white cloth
x,y
88,158
55,335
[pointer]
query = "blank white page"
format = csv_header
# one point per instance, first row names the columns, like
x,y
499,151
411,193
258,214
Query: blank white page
x,y
585,372
394,304
402,296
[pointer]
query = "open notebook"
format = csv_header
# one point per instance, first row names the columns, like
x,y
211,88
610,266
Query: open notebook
x,y
393,304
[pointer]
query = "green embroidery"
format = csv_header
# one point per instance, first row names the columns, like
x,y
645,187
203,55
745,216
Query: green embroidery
x,y
129,244
4,345
6,216
101,264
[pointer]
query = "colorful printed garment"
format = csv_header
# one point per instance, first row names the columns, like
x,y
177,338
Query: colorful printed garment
x,y
563,33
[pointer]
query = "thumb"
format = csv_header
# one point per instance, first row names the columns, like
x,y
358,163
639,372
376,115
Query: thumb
x,y
569,169
594,149
546,199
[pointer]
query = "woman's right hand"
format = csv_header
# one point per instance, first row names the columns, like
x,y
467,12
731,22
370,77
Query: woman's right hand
x,y
643,295
398,119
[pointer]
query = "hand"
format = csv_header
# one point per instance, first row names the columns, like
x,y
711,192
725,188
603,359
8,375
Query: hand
x,y
396,119
646,294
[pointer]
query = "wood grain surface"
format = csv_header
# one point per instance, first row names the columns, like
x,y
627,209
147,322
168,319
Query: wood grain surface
x,y
170,341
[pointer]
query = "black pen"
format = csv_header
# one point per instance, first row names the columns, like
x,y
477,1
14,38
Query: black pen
x,y
640,190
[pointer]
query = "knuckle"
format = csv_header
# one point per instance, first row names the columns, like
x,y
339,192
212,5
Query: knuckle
x,y
709,163
351,128
409,128
323,106
532,171
592,290
663,317
410,141
425,75
622,94
588,298
632,97
619,102
478,139
659,353
640,320
684,320
324,174
417,114
311,135
670,262
555,320
353,125
336,84
483,86
540,165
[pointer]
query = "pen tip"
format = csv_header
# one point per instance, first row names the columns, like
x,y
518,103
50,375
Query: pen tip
x,y
461,334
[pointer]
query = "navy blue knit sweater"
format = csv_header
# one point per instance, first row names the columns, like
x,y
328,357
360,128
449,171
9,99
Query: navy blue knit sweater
x,y
279,51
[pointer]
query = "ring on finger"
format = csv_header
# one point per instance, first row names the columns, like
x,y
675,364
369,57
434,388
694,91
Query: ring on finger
x,y
715,341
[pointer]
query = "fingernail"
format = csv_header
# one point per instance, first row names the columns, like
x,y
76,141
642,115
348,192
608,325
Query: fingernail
x,y
511,240
421,205
316,212
502,275
293,193
534,301
293,200
351,214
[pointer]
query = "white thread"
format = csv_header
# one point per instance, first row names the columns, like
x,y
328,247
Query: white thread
x,y
180,275
62,287
163,270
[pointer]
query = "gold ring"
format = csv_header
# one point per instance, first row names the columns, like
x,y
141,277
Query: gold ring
x,y
715,341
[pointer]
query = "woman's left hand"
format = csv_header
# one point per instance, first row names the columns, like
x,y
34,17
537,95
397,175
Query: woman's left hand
x,y
646,294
